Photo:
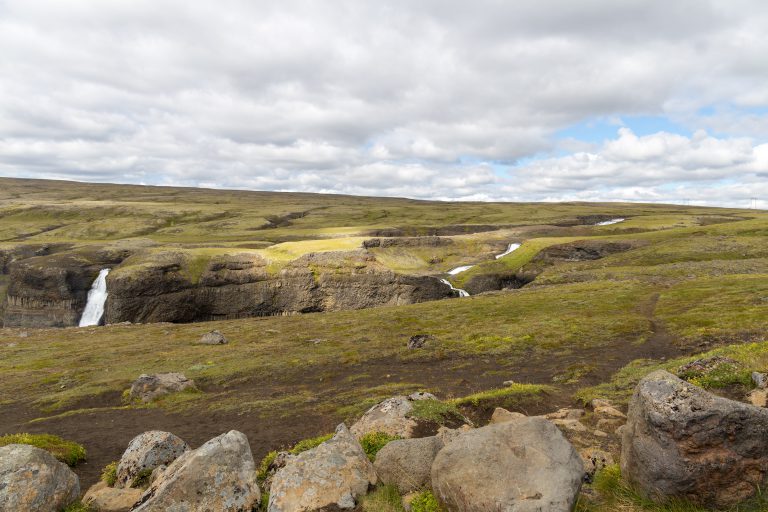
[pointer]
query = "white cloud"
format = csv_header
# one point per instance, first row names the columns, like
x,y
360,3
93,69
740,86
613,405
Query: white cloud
x,y
393,98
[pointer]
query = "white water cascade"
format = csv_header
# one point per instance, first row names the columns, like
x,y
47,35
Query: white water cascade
x,y
462,293
511,248
97,297
609,222
459,270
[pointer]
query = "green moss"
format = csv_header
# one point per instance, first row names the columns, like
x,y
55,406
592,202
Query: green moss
x,y
68,452
263,472
509,396
142,479
308,444
383,499
435,411
722,376
425,501
109,473
78,506
372,442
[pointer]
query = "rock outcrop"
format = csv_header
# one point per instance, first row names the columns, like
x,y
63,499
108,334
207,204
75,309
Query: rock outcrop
x,y
146,452
681,441
148,387
32,480
213,338
331,476
102,498
239,286
220,476
390,417
406,463
525,465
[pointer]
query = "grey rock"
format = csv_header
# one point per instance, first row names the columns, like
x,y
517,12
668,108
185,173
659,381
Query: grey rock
x,y
390,417
406,463
501,415
213,338
681,441
520,466
331,476
148,387
220,476
146,452
760,379
102,498
420,341
32,480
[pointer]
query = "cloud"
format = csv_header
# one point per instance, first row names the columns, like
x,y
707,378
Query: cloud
x,y
432,99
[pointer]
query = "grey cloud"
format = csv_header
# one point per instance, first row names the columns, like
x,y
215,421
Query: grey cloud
x,y
380,97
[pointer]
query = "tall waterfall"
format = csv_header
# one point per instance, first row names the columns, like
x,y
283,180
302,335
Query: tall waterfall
x,y
97,297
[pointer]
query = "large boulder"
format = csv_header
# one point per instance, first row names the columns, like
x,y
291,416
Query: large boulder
x,y
391,417
103,498
145,452
148,387
524,465
332,475
682,441
220,476
406,463
32,480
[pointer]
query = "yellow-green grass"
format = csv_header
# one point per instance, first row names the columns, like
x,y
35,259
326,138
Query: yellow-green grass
x,y
614,494
511,396
68,452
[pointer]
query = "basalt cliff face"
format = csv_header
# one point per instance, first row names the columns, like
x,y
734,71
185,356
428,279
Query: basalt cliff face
x,y
240,286
52,291
48,288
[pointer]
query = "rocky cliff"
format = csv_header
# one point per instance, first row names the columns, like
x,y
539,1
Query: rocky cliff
x,y
236,286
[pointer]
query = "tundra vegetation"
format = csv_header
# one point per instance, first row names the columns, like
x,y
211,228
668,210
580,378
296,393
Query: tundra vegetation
x,y
576,319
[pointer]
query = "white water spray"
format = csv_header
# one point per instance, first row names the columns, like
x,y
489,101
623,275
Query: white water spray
x,y
511,248
462,293
609,222
97,297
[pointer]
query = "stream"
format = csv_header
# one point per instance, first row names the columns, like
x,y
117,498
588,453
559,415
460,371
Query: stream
x,y
458,270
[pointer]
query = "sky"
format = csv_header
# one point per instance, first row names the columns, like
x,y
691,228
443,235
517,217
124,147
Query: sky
x,y
531,100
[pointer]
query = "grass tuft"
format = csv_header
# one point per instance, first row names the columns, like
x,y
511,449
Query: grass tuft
x,y
509,396
372,442
109,473
425,502
435,411
68,452
383,499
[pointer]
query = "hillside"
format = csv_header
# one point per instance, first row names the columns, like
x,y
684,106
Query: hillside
x,y
579,311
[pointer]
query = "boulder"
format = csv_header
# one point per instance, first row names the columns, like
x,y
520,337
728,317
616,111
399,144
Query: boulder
x,y
213,338
148,387
390,417
102,498
406,463
220,476
501,415
145,452
420,340
681,441
760,379
32,480
519,466
565,414
594,460
332,475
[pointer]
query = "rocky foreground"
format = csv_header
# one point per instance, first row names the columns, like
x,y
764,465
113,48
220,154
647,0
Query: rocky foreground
x,y
677,441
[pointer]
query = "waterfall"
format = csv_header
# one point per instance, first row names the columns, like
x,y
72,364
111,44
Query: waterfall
x,y
609,222
459,270
462,293
97,297
512,247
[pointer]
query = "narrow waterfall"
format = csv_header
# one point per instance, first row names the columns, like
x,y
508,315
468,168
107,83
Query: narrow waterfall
x,y
459,270
511,248
609,222
97,297
462,293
